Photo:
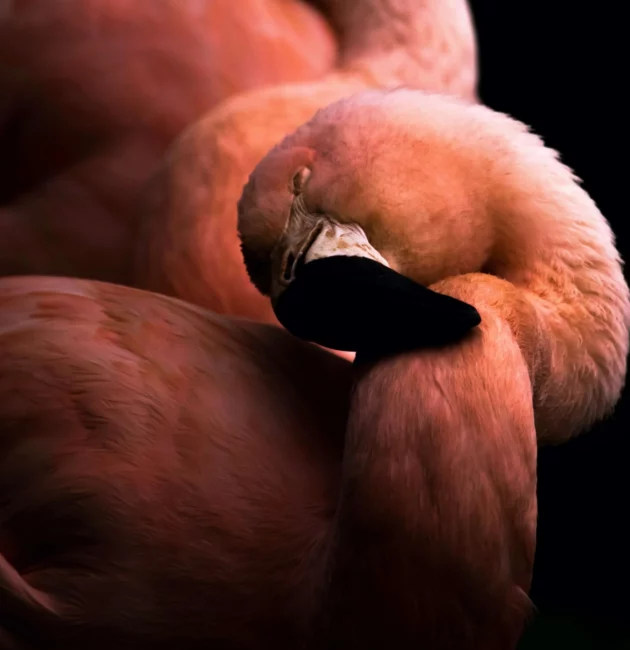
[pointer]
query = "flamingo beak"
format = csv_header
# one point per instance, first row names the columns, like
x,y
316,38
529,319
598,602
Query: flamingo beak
x,y
332,287
347,240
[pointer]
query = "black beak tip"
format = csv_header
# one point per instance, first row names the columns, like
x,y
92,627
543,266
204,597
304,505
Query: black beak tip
x,y
357,304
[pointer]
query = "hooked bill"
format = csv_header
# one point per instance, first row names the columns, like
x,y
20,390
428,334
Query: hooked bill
x,y
360,305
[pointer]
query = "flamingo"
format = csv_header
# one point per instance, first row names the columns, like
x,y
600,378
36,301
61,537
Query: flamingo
x,y
176,478
387,188
94,91
189,245
471,203
167,475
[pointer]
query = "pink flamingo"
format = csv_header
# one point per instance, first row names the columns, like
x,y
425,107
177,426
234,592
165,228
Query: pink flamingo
x,y
189,245
174,478
94,91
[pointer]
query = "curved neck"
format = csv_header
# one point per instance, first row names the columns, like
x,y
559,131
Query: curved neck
x,y
428,44
435,531
555,246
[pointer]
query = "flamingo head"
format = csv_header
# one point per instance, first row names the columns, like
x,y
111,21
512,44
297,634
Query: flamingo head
x,y
345,228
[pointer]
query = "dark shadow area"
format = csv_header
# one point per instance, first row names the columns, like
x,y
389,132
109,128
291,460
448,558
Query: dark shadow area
x,y
559,67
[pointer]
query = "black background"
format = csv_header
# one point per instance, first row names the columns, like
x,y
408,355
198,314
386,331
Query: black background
x,y
560,67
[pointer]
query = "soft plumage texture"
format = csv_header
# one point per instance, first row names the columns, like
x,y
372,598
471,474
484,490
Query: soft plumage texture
x,y
170,478
167,476
94,91
467,200
433,544
189,246
435,536
426,43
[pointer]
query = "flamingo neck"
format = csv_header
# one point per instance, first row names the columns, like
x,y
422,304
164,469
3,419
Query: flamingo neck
x,y
433,542
423,43
553,244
